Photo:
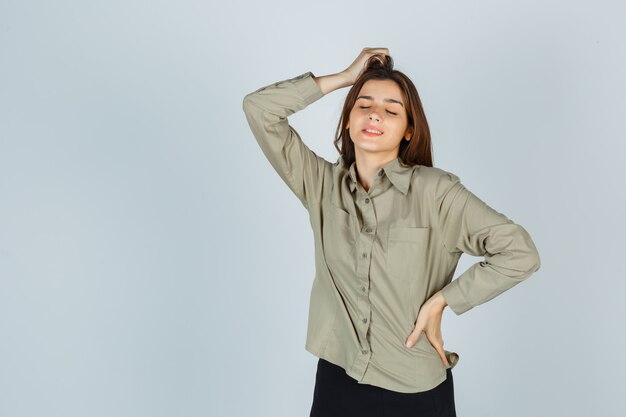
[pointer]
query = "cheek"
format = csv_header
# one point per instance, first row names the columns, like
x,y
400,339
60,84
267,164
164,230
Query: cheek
x,y
354,121
398,133
395,129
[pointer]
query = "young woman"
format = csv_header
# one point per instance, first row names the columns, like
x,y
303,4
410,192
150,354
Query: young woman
x,y
389,229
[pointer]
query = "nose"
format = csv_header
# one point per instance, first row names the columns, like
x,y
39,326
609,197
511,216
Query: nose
x,y
374,117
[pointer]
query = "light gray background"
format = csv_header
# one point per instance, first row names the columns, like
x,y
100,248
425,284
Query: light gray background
x,y
153,264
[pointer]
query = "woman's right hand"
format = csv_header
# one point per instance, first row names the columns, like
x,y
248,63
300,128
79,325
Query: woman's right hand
x,y
356,68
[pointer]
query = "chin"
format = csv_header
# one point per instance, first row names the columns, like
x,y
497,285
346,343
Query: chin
x,y
369,148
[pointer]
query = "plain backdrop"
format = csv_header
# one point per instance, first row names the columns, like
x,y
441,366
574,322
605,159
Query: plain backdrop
x,y
153,264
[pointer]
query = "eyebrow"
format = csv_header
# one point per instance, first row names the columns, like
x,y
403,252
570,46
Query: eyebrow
x,y
388,100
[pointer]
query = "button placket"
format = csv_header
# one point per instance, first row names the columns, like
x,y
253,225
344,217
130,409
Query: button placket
x,y
366,237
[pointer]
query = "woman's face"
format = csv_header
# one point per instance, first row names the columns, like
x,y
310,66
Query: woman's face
x,y
379,106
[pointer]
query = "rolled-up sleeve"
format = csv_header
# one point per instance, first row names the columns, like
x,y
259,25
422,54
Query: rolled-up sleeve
x,y
470,226
266,111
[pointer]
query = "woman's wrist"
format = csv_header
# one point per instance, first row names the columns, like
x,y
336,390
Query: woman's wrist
x,y
332,82
439,299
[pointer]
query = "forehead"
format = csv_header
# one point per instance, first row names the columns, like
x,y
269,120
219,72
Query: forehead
x,y
380,90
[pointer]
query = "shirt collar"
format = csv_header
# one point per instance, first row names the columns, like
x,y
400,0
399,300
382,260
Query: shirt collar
x,y
398,173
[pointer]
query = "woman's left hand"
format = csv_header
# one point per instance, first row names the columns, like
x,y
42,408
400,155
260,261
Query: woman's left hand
x,y
429,321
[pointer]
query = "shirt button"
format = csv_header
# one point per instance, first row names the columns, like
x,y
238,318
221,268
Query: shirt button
x,y
364,320
363,288
380,173
364,255
368,230
367,200
364,351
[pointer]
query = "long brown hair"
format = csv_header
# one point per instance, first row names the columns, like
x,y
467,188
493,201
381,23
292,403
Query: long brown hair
x,y
417,150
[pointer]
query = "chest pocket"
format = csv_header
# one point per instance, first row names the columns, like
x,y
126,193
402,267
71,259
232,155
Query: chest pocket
x,y
339,238
406,251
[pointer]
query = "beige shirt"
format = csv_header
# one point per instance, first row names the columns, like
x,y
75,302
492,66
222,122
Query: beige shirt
x,y
380,254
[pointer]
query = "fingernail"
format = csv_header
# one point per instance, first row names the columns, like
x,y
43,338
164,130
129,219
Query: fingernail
x,y
408,344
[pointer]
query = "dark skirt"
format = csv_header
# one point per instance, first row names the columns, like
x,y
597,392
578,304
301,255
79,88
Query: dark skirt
x,y
339,395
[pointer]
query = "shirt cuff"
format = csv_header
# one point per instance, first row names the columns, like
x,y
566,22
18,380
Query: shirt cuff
x,y
455,299
307,87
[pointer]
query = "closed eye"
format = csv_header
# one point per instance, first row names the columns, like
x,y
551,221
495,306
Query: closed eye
x,y
390,112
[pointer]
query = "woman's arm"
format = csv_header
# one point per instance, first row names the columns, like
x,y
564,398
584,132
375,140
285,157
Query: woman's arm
x,y
266,111
332,82
348,76
469,225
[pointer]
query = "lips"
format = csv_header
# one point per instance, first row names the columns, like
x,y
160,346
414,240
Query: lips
x,y
372,128
371,134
